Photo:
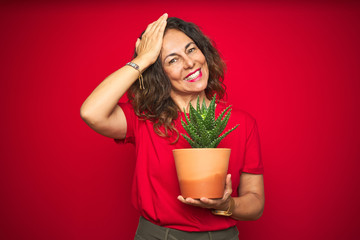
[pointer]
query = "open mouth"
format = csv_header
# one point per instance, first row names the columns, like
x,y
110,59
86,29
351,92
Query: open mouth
x,y
193,76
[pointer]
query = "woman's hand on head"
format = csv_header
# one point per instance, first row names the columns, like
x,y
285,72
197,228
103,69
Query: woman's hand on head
x,y
149,47
220,204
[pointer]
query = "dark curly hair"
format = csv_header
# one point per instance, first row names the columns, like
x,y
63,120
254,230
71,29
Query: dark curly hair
x,y
154,103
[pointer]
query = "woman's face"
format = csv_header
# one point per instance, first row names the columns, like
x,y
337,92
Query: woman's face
x,y
184,64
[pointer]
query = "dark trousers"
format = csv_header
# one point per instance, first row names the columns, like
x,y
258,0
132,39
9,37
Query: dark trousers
x,y
149,231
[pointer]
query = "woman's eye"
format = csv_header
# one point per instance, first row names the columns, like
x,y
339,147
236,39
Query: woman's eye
x,y
173,60
191,50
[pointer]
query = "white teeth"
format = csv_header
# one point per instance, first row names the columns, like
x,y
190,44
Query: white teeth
x,y
193,76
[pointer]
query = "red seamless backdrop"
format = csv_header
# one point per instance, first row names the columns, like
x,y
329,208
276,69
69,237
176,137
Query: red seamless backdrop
x,y
293,66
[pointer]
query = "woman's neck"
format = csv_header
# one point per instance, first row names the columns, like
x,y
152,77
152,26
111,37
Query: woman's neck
x,y
184,101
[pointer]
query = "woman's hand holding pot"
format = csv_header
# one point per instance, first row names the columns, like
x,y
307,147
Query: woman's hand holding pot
x,y
219,204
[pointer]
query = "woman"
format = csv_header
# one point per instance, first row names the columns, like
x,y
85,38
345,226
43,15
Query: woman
x,y
174,63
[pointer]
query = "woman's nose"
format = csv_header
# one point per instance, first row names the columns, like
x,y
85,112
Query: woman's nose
x,y
188,62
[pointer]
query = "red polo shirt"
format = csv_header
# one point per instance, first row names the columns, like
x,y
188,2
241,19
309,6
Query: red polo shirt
x,y
155,186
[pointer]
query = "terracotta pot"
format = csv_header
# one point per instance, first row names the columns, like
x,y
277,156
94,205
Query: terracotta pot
x,y
202,171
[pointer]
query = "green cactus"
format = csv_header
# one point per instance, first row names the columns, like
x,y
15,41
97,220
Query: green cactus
x,y
203,128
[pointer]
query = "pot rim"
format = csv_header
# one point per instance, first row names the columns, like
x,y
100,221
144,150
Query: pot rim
x,y
201,149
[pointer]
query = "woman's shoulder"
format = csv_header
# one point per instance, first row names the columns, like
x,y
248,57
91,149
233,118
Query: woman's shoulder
x,y
128,110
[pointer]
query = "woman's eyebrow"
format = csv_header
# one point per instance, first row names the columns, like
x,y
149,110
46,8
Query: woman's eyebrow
x,y
187,45
174,54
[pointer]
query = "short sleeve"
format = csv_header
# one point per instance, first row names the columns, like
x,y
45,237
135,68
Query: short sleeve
x,y
131,119
253,162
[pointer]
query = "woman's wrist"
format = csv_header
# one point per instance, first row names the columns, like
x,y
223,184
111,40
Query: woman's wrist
x,y
229,208
142,62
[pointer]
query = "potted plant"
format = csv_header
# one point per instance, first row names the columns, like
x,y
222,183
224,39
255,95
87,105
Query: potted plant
x,y
202,169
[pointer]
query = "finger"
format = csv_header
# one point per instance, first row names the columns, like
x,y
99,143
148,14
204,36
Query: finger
x,y
137,45
161,27
207,200
192,201
163,18
228,186
181,199
189,201
155,24
149,27
197,203
226,196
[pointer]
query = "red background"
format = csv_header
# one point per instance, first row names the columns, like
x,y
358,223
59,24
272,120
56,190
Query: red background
x,y
293,66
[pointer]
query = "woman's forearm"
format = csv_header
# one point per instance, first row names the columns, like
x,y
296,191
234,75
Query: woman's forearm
x,y
248,207
102,101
